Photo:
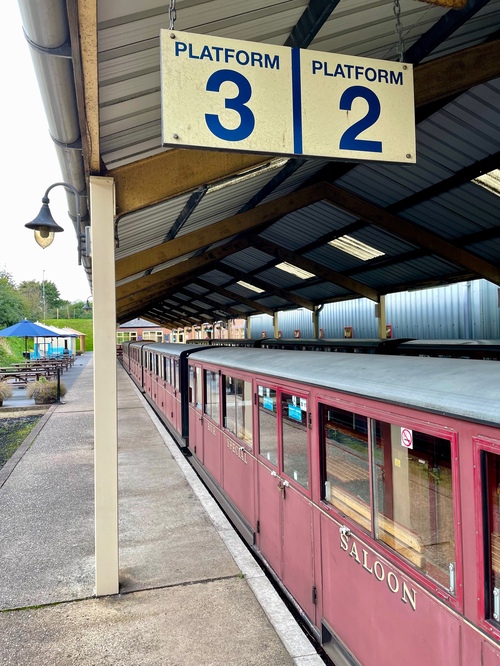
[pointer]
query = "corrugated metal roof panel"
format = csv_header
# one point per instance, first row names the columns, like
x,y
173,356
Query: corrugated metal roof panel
x,y
224,201
306,225
248,260
148,227
279,278
322,292
416,270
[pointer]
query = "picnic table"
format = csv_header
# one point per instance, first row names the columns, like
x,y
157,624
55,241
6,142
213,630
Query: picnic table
x,y
23,376
62,363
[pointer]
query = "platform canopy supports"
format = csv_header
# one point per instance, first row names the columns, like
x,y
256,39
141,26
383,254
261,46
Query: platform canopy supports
x,y
380,315
102,208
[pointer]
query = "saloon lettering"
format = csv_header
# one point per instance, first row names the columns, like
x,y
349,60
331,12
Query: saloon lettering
x,y
377,569
238,451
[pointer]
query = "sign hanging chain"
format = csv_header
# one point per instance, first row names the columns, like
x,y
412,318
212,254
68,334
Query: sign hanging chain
x,y
399,30
172,13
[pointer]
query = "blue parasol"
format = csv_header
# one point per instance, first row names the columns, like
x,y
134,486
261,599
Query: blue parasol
x,y
27,329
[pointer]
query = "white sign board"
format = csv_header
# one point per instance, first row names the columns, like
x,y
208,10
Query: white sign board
x,y
232,95
407,438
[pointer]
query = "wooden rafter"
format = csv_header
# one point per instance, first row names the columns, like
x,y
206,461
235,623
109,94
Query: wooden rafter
x,y
412,233
319,270
236,297
193,266
213,233
236,314
271,289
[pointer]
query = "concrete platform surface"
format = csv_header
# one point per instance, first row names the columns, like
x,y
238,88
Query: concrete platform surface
x,y
191,594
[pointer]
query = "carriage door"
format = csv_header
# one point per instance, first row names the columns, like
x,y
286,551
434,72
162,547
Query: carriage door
x,y
285,510
196,410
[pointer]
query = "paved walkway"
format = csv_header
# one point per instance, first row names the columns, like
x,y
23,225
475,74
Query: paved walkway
x,y
191,594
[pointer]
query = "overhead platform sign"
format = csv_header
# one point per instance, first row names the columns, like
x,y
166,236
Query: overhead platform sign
x,y
227,94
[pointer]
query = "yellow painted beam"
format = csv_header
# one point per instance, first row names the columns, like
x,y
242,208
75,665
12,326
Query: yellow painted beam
x,y
87,20
173,172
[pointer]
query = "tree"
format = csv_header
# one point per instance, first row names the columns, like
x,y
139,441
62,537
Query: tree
x,y
42,299
30,291
12,307
52,297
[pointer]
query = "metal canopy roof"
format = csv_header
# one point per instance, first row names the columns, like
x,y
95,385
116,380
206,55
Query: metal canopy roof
x,y
192,224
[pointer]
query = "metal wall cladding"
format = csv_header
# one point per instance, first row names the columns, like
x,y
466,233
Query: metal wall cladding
x,y
467,310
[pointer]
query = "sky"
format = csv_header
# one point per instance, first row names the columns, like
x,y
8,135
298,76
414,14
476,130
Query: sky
x,y
29,167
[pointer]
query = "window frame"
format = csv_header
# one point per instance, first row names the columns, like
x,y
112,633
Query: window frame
x,y
483,444
223,412
275,388
206,394
413,422
302,393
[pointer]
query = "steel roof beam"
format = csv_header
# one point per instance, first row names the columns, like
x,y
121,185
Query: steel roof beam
x,y
441,30
184,215
315,15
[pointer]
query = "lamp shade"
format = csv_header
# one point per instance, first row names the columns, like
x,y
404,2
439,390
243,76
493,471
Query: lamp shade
x,y
44,222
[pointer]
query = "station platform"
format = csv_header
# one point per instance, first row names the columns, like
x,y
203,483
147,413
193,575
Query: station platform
x,y
191,594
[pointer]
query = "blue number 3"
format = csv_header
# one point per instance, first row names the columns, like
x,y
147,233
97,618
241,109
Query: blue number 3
x,y
247,119
349,140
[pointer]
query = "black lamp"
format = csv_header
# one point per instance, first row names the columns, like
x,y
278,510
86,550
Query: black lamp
x,y
45,226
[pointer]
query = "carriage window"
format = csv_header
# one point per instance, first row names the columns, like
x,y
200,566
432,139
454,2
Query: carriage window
x,y
491,476
199,388
414,499
268,425
157,364
238,408
191,385
212,395
294,437
346,471
176,374
166,369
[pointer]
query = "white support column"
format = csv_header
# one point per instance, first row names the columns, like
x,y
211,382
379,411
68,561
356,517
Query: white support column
x,y
248,329
275,325
380,314
102,215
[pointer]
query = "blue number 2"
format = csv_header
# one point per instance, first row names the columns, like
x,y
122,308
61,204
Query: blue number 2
x,y
247,124
349,140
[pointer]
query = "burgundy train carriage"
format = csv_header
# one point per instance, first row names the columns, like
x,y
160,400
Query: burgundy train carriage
x,y
370,486
133,360
166,382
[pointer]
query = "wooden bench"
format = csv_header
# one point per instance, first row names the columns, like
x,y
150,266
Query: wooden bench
x,y
403,541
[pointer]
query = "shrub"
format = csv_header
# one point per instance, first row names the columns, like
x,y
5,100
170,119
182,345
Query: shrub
x,y
5,391
45,390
